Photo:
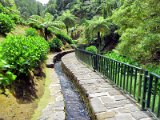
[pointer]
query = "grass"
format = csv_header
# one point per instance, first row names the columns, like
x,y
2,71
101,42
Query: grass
x,y
1,38
18,30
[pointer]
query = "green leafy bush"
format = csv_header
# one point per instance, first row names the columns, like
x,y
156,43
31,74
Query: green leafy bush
x,y
16,18
140,45
24,53
55,44
150,67
155,68
64,37
11,12
31,32
6,23
75,42
6,77
91,49
140,38
116,56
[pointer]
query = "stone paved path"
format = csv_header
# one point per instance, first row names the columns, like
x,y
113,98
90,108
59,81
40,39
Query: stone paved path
x,y
56,107
107,102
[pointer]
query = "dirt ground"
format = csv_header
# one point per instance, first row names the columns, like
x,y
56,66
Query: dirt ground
x,y
13,108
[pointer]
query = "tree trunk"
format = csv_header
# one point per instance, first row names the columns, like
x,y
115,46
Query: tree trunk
x,y
99,40
46,33
67,30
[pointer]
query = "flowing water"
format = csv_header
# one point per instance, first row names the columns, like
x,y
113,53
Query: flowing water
x,y
75,108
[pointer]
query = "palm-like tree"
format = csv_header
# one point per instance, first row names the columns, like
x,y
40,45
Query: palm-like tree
x,y
99,27
45,23
69,19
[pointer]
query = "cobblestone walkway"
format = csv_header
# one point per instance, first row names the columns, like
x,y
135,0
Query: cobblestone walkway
x,y
107,102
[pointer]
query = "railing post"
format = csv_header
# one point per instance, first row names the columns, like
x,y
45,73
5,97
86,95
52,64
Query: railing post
x,y
158,111
144,90
140,85
94,62
149,91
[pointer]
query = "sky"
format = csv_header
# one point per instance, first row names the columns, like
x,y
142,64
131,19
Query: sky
x,y
43,1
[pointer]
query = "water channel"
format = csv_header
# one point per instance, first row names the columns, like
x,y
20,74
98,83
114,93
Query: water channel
x,y
75,108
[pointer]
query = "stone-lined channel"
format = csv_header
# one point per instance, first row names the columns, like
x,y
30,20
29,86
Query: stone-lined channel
x,y
75,107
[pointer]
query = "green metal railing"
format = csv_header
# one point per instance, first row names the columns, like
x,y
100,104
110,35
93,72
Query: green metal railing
x,y
143,86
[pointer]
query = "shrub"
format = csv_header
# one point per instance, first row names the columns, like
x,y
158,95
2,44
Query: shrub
x,y
75,42
64,37
6,77
91,49
31,32
6,23
55,44
16,18
155,68
24,53
116,56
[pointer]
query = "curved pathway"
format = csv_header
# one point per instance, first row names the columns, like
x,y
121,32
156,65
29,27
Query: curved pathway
x,y
105,101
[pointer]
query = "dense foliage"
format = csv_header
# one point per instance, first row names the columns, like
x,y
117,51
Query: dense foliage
x,y
139,29
45,24
68,19
31,32
64,37
116,56
6,23
92,49
6,77
29,7
83,9
96,28
9,15
24,53
55,45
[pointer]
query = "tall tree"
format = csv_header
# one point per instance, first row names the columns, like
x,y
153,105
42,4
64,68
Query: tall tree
x,y
138,25
29,7
68,19
45,23
99,27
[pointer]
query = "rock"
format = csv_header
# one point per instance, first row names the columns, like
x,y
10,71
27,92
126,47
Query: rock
x,y
139,115
117,104
119,97
105,115
97,105
57,116
106,99
98,94
124,117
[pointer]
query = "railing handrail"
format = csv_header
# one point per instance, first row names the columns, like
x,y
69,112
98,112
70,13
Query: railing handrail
x,y
142,85
120,62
